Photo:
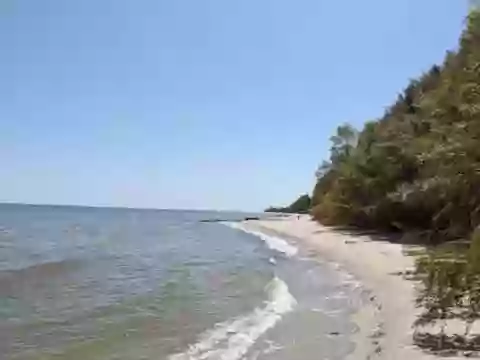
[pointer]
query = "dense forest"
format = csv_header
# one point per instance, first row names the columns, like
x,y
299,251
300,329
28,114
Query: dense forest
x,y
417,168
300,206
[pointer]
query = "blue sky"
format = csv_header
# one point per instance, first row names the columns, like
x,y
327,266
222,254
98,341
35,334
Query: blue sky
x,y
225,104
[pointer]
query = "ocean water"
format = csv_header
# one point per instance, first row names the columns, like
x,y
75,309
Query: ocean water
x,y
97,283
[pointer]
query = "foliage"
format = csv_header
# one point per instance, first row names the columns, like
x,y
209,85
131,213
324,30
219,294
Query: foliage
x,y
417,168
299,206
451,286
443,290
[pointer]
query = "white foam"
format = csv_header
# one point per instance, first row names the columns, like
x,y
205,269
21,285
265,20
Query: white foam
x,y
232,339
272,347
273,242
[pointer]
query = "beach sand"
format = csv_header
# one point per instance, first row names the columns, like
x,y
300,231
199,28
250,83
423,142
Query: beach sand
x,y
385,323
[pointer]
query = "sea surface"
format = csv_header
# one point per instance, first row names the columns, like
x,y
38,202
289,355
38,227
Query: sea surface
x,y
126,284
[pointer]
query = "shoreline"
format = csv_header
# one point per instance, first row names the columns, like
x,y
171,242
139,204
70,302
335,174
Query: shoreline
x,y
385,322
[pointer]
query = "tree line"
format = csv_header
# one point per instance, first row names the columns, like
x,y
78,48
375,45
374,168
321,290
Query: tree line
x,y
300,206
417,168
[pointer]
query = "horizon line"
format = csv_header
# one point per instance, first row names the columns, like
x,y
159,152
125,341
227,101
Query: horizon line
x,y
118,207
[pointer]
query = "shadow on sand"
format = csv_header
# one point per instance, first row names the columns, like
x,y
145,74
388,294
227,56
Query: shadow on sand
x,y
369,235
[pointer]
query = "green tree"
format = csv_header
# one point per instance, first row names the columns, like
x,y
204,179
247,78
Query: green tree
x,y
417,168
300,206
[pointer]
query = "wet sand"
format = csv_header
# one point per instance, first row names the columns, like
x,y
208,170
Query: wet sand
x,y
385,323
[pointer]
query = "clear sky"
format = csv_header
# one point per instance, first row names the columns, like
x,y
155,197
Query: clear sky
x,y
225,104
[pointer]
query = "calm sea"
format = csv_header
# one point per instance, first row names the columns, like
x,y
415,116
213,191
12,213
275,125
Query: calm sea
x,y
96,283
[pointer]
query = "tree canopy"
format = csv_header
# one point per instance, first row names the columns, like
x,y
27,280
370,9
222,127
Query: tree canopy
x,y
417,168
299,206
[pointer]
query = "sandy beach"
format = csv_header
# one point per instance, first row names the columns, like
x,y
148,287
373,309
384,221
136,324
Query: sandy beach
x,y
385,323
